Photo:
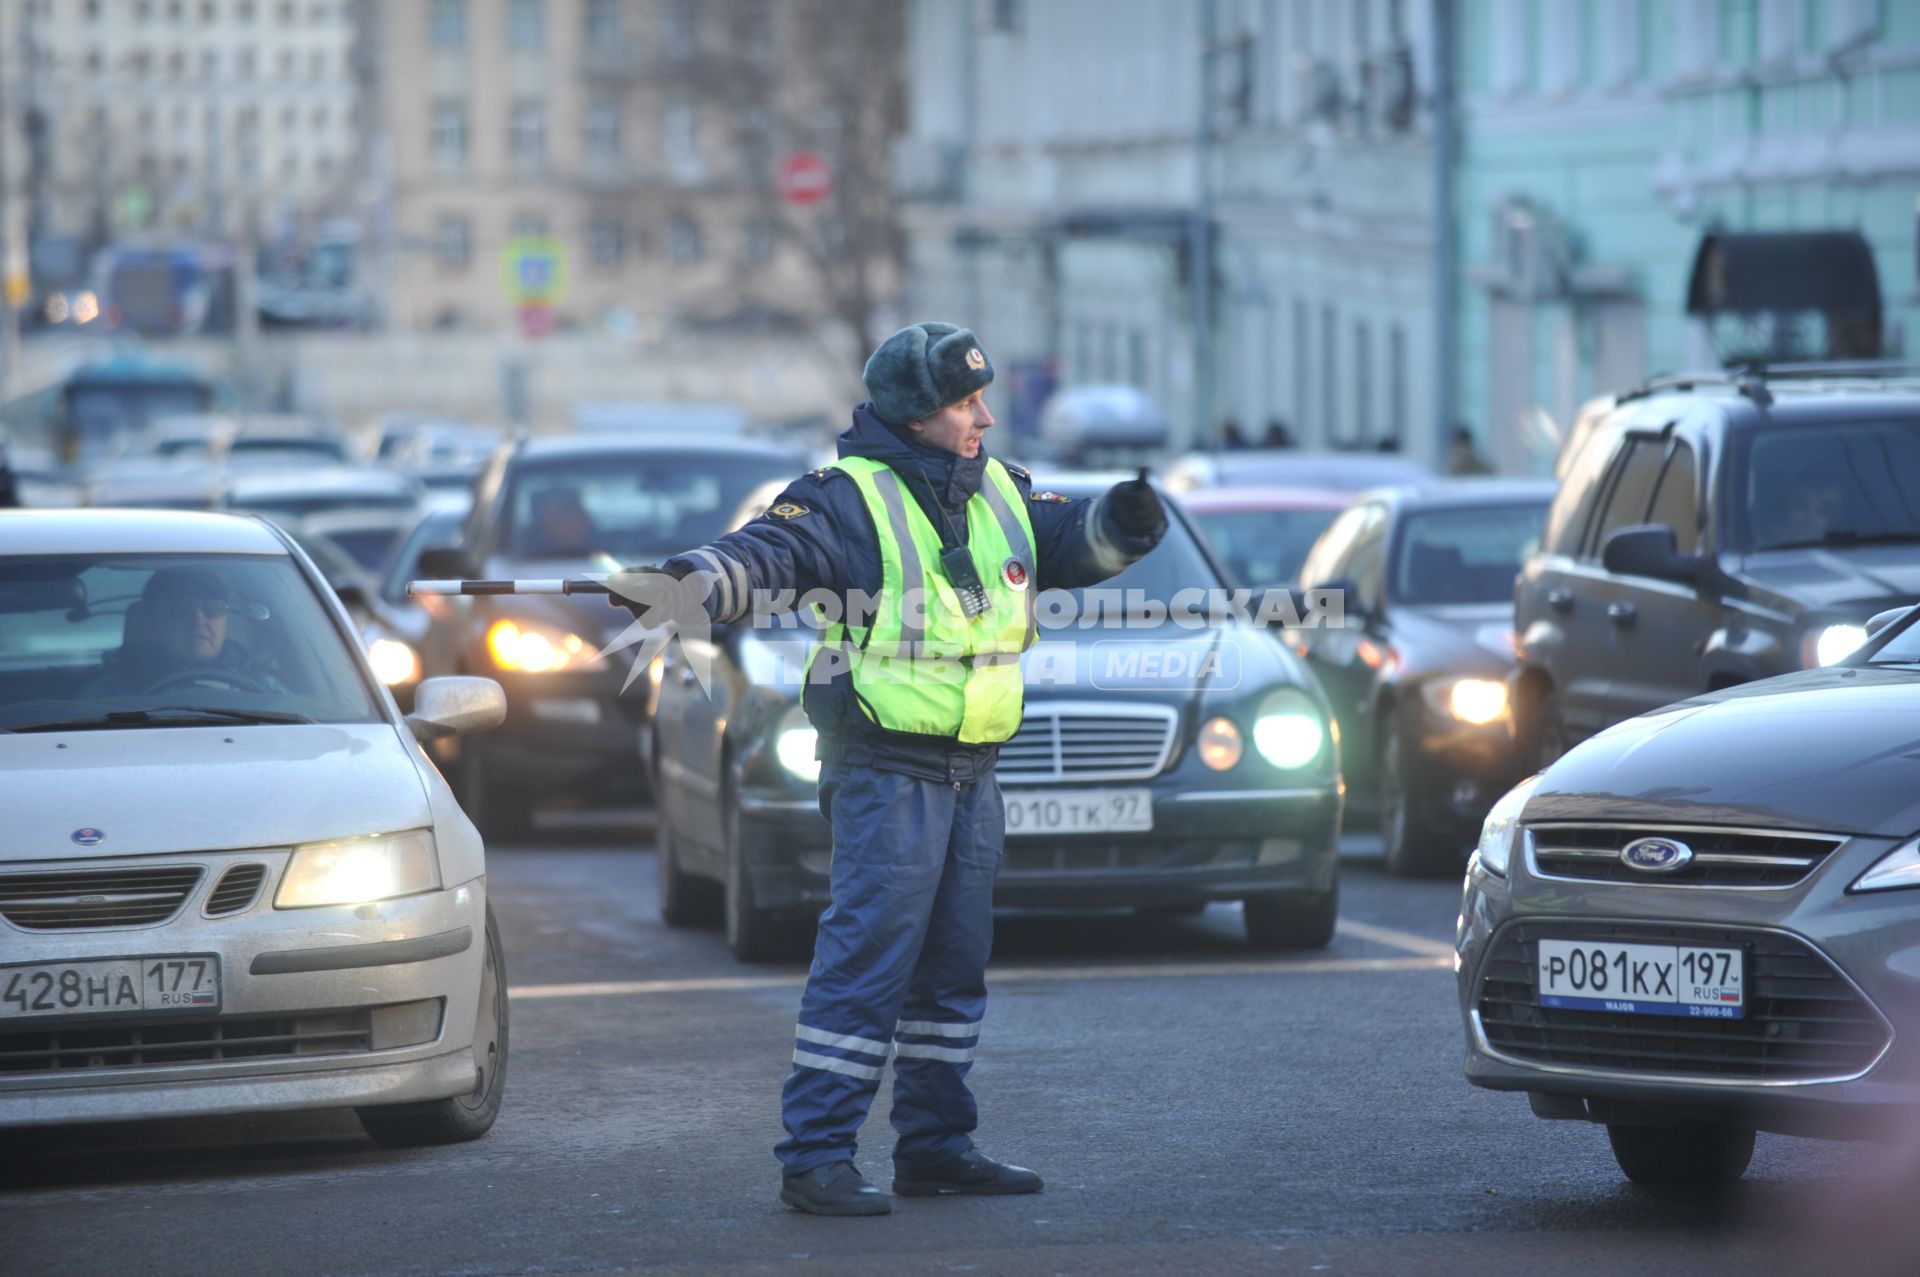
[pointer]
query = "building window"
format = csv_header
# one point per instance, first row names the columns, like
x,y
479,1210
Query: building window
x,y
175,10
754,29
530,225
176,64
683,239
93,10
246,64
449,24
286,64
603,24
318,119
94,61
756,242
1005,16
210,64
603,130
244,10
289,165
452,241
527,134
526,25
680,129
450,134
1330,376
1362,381
317,64
289,117
1302,366
682,30
608,239
1397,382
286,13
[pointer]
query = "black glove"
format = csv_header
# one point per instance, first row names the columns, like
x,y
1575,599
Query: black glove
x,y
1135,508
677,570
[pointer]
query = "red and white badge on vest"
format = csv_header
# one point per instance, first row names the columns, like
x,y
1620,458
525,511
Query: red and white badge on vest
x,y
1014,573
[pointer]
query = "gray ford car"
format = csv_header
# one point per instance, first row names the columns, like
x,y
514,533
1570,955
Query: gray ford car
x,y
1705,921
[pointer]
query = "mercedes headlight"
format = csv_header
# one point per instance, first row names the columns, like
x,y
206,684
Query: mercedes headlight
x,y
1289,731
526,648
1502,828
793,745
1478,701
1831,644
357,870
1898,868
1219,744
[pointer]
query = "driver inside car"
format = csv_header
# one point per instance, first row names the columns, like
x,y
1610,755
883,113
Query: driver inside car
x,y
176,632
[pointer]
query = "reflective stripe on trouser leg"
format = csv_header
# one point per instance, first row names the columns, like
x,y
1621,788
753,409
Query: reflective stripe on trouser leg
x,y
890,837
933,1111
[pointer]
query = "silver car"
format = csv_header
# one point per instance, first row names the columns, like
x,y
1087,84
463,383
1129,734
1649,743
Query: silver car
x,y
1705,921
230,879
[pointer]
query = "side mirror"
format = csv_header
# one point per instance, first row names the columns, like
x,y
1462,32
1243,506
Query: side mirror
x,y
1881,620
1339,601
445,563
351,593
1648,549
444,707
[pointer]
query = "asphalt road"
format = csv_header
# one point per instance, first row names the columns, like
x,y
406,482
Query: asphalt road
x,y
1194,1106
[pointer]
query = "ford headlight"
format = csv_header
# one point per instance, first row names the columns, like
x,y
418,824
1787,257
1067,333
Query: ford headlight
x,y
1478,701
1289,731
1502,828
525,648
1898,868
1831,644
793,745
357,870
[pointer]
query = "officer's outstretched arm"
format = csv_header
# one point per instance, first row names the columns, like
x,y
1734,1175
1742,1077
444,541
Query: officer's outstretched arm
x,y
1086,541
795,545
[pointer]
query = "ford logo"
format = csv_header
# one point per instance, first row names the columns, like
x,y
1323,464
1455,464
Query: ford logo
x,y
1656,855
89,836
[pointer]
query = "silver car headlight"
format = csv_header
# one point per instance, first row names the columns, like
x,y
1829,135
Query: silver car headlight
x,y
1502,828
793,744
1898,868
1289,731
355,871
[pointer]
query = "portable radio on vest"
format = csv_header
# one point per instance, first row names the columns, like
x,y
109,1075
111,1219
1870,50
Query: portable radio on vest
x,y
956,561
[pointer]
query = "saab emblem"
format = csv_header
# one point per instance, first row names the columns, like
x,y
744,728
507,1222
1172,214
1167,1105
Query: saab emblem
x,y
1014,573
1656,855
89,836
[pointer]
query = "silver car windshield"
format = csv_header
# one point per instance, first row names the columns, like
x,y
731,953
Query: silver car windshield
x,y
169,640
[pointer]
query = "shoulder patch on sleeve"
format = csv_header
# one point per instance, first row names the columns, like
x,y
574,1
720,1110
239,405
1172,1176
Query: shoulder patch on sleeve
x,y
787,510
822,472
1051,498
1018,472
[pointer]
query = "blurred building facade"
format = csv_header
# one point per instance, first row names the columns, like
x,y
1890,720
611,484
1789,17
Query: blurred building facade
x,y
1066,163
1615,157
644,141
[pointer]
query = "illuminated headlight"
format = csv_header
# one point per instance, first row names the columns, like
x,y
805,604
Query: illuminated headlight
x,y
393,661
359,870
1219,744
1289,731
1831,644
1470,700
794,745
1898,868
1502,828
533,649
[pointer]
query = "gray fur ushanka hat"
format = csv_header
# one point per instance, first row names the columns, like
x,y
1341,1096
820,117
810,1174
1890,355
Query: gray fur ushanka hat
x,y
923,368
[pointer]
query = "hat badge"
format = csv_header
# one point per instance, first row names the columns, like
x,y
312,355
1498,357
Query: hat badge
x,y
975,359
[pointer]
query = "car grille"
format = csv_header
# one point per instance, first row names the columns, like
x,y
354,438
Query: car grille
x,y
1804,1020
76,899
1721,857
159,1043
1082,742
236,891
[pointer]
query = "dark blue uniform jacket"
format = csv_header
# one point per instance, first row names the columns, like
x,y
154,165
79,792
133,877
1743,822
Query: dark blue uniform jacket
x,y
819,535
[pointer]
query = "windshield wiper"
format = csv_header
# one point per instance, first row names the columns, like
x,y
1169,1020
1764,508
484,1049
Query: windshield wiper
x,y
1848,537
162,716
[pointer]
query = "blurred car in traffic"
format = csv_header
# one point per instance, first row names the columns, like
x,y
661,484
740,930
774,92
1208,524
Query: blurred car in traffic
x,y
230,879
178,483
303,491
369,534
1349,472
1702,922
1261,535
1102,425
1159,766
1418,674
393,622
1712,530
561,506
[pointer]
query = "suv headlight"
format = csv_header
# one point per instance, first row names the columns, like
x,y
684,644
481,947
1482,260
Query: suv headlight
x,y
793,744
1502,828
528,648
1898,868
1478,701
1288,731
357,870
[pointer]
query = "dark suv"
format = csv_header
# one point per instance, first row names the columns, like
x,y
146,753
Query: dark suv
x,y
1710,531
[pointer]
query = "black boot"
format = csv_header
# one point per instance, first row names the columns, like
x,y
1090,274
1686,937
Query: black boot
x,y
972,1174
834,1189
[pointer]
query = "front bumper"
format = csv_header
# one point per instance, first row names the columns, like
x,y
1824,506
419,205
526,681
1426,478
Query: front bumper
x,y
319,1008
1867,945
1206,845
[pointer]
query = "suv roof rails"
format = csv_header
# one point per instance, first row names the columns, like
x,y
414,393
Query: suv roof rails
x,y
1852,368
1740,380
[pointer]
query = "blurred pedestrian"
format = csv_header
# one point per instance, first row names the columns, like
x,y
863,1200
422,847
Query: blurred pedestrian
x,y
912,701
1463,456
1278,435
1231,440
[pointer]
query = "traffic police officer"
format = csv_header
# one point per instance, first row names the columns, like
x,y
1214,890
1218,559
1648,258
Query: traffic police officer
x,y
911,706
